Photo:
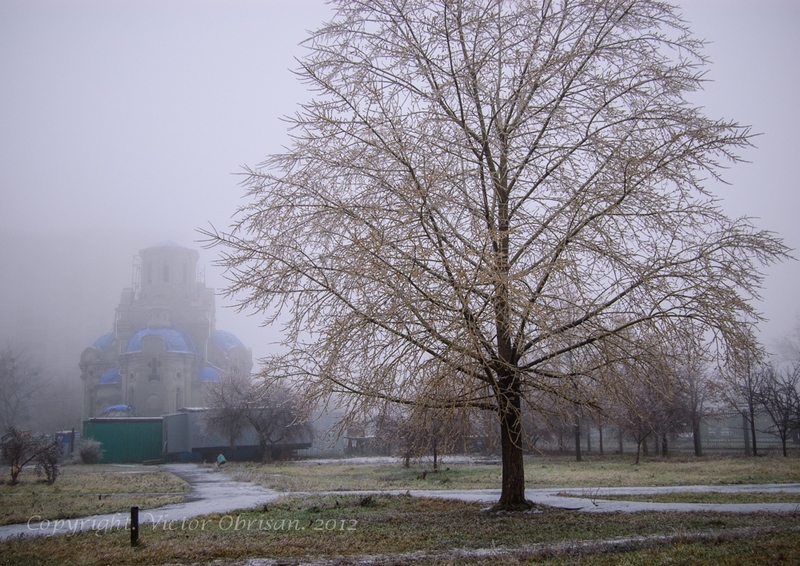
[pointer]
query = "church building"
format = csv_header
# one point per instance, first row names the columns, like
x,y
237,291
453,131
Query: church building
x,y
164,349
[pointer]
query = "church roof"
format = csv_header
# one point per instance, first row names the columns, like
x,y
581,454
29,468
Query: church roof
x,y
104,341
176,339
224,340
207,373
111,376
117,411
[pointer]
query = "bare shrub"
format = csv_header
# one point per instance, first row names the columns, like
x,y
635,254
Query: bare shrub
x,y
20,448
48,455
89,451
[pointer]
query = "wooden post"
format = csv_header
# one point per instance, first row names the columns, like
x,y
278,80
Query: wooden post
x,y
134,526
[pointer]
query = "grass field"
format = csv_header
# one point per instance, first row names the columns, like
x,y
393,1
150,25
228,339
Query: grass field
x,y
435,531
88,490
705,497
550,471
327,529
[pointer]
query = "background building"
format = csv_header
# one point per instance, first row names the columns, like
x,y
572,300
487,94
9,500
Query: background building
x,y
164,348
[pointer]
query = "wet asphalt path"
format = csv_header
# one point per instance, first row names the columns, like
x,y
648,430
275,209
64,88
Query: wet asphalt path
x,y
590,499
212,492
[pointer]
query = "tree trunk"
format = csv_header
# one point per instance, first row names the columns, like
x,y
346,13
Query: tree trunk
x,y
512,493
263,446
576,428
698,446
509,399
747,449
753,429
600,431
664,448
15,470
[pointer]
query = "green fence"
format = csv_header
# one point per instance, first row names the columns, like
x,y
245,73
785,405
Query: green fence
x,y
126,440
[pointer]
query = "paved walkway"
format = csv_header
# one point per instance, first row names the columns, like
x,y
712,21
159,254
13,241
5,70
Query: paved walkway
x,y
590,499
214,492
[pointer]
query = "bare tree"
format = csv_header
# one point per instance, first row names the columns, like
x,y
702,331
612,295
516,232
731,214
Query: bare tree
x,y
669,414
273,415
535,425
636,422
639,404
20,383
237,403
481,188
788,347
394,435
697,393
419,430
227,402
741,388
780,399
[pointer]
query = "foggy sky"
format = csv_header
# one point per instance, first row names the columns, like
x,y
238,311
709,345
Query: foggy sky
x,y
124,124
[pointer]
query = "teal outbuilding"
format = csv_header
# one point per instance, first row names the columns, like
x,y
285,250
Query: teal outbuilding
x,y
126,440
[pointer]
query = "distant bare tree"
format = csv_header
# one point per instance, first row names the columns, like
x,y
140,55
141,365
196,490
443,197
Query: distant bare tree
x,y
237,402
646,402
778,395
440,431
227,402
741,388
419,430
633,409
273,415
392,434
637,423
480,189
20,383
670,414
603,411
697,393
535,425
788,347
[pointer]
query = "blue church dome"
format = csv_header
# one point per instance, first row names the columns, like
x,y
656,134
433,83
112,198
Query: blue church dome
x,y
104,341
177,340
117,411
207,373
111,376
224,340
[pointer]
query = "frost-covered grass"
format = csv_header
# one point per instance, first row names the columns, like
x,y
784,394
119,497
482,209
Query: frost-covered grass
x,y
302,476
321,528
540,471
703,497
82,490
